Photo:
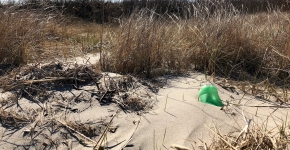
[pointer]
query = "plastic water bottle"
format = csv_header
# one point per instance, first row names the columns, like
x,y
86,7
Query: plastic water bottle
x,y
209,94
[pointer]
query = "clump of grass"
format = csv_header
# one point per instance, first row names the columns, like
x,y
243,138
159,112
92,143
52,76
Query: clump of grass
x,y
135,104
238,45
146,43
18,32
222,41
255,138
35,35
86,129
23,33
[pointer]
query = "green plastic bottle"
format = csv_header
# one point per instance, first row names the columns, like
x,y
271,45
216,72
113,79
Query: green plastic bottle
x,y
209,94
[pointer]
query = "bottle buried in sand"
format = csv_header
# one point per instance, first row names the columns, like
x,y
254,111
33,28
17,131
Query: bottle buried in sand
x,y
209,94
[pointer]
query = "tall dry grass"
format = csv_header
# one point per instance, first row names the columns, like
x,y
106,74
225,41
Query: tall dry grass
x,y
145,43
221,40
18,32
43,34
23,32
226,42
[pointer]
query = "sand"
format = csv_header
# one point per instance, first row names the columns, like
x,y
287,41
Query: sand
x,y
175,116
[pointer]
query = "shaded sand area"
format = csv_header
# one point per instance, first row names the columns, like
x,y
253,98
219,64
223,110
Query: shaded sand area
x,y
76,107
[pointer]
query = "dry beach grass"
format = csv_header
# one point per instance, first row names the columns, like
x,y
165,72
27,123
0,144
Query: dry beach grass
x,y
227,42
239,50
42,100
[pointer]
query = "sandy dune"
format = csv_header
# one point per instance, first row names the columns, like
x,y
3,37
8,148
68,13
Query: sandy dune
x,y
185,120
176,117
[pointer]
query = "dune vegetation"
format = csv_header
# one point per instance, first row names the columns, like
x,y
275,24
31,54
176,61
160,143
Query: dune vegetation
x,y
246,41
237,40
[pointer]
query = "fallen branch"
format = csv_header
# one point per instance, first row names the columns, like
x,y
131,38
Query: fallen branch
x,y
30,82
51,79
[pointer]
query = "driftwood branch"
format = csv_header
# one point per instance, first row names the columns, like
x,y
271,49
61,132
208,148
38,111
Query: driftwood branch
x,y
30,82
